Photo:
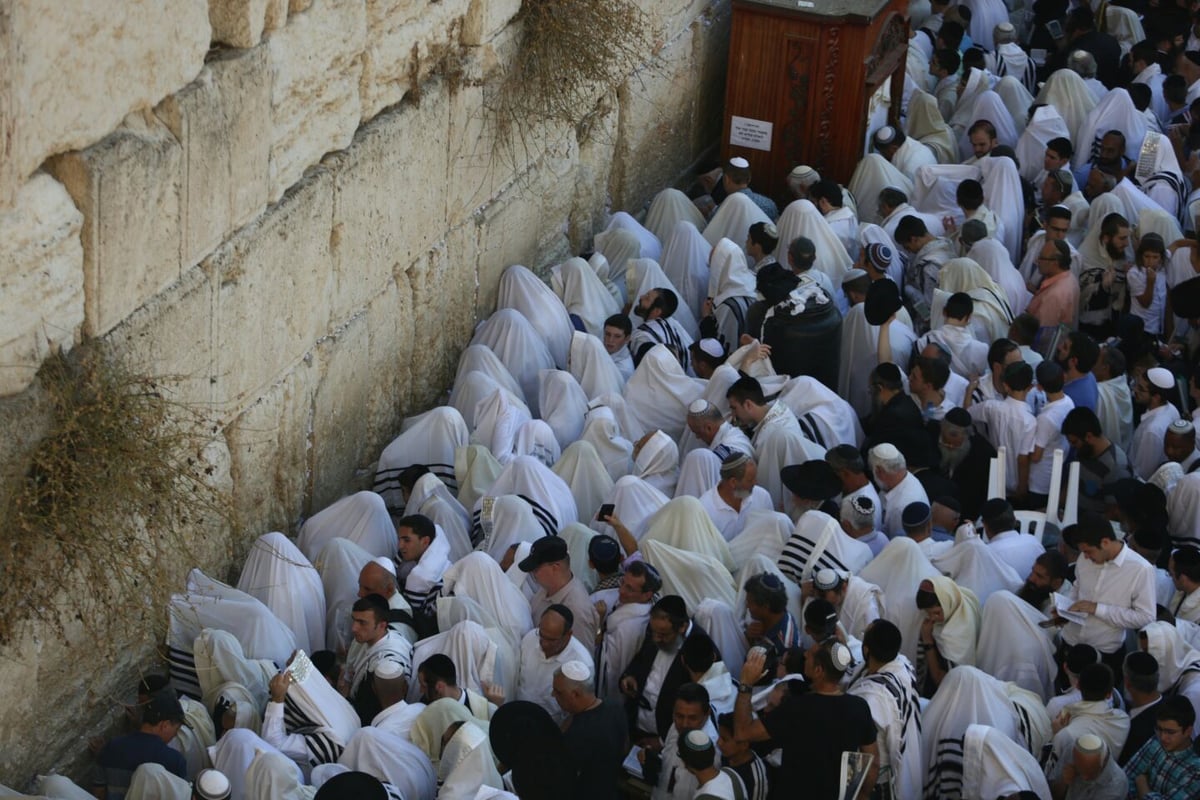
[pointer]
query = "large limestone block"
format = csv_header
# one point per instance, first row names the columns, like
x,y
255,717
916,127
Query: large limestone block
x,y
241,23
340,446
128,187
406,40
222,121
269,446
657,111
444,284
392,341
390,196
486,18
41,279
74,69
275,281
316,65
710,43
596,137
669,18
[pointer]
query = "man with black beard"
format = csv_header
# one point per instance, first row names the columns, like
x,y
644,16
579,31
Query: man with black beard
x,y
1102,277
1101,462
656,307
1047,577
964,459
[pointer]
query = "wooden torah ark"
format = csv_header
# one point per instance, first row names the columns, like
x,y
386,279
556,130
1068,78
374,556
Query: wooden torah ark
x,y
810,70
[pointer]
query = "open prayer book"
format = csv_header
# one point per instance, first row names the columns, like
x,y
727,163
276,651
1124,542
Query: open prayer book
x,y
855,766
631,763
1061,605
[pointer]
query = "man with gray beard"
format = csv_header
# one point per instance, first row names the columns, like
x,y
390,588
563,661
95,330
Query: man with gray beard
x,y
964,459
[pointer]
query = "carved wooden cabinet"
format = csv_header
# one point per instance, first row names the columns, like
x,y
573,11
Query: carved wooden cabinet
x,y
804,80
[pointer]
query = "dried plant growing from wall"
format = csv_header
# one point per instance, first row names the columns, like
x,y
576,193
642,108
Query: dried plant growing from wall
x,y
570,52
98,529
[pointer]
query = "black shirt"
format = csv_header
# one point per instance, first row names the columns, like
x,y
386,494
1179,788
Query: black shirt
x,y
596,745
814,730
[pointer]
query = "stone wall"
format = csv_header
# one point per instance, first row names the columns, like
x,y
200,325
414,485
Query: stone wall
x,y
295,208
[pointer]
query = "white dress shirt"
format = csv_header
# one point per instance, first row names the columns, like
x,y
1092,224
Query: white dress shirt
x,y
1146,453
536,680
897,499
1018,550
1009,425
728,520
1124,593
1048,436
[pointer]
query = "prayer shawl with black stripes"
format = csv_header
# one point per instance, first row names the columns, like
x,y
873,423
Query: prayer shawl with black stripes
x,y
818,542
895,706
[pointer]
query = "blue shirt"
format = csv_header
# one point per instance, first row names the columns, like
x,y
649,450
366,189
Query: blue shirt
x,y
122,755
1172,776
1083,391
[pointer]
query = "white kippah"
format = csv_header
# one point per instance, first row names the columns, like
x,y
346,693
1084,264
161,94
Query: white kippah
x,y
712,347
697,740
1089,743
853,275
212,784
698,406
739,162
576,671
885,452
826,580
1162,378
770,230
1006,27
842,659
1182,427
805,175
885,135
390,670
386,563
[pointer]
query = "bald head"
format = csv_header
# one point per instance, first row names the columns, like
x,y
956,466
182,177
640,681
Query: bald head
x,y
374,579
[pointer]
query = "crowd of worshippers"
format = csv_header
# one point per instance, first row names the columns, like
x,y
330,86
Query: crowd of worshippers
x,y
894,493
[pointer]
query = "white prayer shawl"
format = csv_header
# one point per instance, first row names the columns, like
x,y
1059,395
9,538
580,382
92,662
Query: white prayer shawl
x,y
934,188
913,154
1091,253
473,389
339,564
967,696
996,766
1165,184
593,368
479,358
973,565
624,629
1016,99
985,16
1153,77
1114,112
989,106
58,787
684,524
220,660
651,246
925,123
476,656
273,776
1013,647
644,274
634,502
1178,661
668,208
699,472
583,294
659,392
818,542
279,575
657,463
824,417
718,682
431,498
765,533
873,174
1012,61
520,347
1156,220
233,754
547,494
895,706
528,294
1045,124
564,404
475,470
997,263
860,355
578,536
991,316
719,621
685,263
864,603
363,659
958,634
430,567
392,759
150,781
208,603
801,218
361,517
1096,717
1003,195
779,442
584,473
629,424
1069,95
196,735
693,576
512,521
1188,605
428,439
604,434
1123,25
729,277
733,219
978,82
614,248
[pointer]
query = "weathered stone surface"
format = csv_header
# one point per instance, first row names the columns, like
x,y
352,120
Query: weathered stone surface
x,y
275,281
241,23
340,444
406,41
657,111
41,279
75,68
391,340
128,188
596,137
486,18
221,120
710,51
316,65
390,197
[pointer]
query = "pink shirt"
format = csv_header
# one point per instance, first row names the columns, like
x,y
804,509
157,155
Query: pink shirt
x,y
1057,300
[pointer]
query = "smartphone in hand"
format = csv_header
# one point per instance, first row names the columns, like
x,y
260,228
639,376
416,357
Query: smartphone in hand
x,y
605,511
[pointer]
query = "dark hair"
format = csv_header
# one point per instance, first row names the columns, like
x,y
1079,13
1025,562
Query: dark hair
x,y
1054,563
620,321
883,639
1140,94
910,228
1059,212
1062,253
892,197
951,34
1061,145
933,371
948,59
1092,529
746,389
376,604
958,306
1083,349
759,235
1081,19
847,457
693,693
1142,679
1081,422
802,252
973,59
1050,376
887,376
1095,682
152,683
1186,562
672,609
821,618
419,524
825,189
1000,349
1143,51
1113,223
666,301
567,615
438,667
1175,89
1026,326
651,582
766,589
1151,243
985,126
1176,708
1018,376
698,652
410,475
725,722
969,194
